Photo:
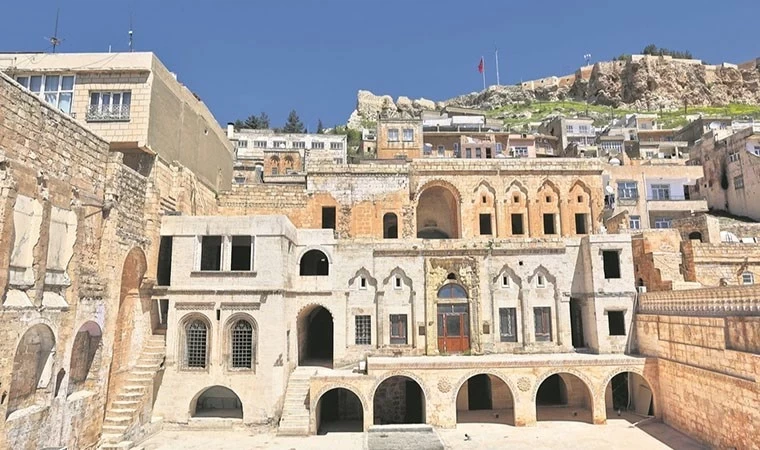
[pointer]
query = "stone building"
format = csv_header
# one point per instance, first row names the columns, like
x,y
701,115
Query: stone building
x,y
577,135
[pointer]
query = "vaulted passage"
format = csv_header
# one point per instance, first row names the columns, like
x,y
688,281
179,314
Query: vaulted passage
x,y
629,392
315,337
437,214
485,399
218,401
397,400
32,369
563,397
339,410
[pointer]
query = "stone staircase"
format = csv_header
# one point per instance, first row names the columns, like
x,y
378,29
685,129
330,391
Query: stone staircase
x,y
132,396
295,411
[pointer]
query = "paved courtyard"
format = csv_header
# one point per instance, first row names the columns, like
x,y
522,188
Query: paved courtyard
x,y
619,433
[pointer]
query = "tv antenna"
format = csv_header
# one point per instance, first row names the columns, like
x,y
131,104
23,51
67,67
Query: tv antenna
x,y
131,34
54,41
587,57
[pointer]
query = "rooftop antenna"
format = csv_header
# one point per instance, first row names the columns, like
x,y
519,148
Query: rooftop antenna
x,y
587,57
54,41
131,34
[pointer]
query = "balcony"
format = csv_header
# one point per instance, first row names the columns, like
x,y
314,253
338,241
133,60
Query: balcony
x,y
676,203
108,113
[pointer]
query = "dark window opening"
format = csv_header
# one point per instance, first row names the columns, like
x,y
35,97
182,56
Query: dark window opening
x,y
616,322
164,270
211,253
363,283
580,224
548,199
485,224
328,217
695,235
543,324
451,276
398,329
549,224
163,312
241,253
508,324
517,224
390,226
488,153
363,330
516,199
576,324
479,394
552,392
314,263
397,282
611,264
580,199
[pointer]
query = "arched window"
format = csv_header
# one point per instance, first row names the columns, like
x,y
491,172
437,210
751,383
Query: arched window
x,y
314,263
390,226
196,340
452,291
241,340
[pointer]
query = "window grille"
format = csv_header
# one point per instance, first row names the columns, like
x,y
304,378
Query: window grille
x,y
195,345
242,345
363,330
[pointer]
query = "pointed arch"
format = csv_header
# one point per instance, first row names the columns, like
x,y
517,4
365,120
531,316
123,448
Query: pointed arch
x,y
485,185
516,185
438,205
363,272
547,183
398,271
579,183
505,269
541,270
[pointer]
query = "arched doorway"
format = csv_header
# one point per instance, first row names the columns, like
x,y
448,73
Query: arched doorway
x,y
32,369
629,392
314,263
82,371
219,402
315,337
453,319
564,397
485,398
437,214
390,226
339,410
398,399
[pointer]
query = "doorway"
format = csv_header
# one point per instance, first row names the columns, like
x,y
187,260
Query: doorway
x,y
576,323
453,328
315,337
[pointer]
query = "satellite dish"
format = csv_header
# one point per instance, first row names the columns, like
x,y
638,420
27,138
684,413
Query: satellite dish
x,y
609,189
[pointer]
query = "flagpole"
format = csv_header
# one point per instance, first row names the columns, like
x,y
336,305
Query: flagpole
x,y
497,67
483,73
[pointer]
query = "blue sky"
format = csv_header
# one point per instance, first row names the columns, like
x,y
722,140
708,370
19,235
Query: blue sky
x,y
244,57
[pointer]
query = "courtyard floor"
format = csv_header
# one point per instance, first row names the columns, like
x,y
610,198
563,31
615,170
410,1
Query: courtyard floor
x,y
619,433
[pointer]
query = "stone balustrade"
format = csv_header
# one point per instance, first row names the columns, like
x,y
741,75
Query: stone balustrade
x,y
719,301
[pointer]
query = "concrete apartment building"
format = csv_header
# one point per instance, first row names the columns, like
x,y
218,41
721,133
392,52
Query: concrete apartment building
x,y
272,157
577,135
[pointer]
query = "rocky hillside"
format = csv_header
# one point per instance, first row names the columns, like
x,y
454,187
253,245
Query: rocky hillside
x,y
645,83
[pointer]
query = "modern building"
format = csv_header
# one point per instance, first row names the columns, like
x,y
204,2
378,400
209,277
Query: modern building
x,y
577,135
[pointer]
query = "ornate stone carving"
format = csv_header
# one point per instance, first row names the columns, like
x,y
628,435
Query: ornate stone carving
x,y
444,385
523,383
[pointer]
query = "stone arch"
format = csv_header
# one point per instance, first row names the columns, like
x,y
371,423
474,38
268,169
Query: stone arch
x,y
547,183
216,401
541,270
483,184
602,388
314,262
696,236
233,362
425,398
580,214
315,328
504,404
573,405
438,211
32,368
133,270
505,269
516,185
586,380
578,183
363,272
85,356
454,289
390,225
316,417
184,322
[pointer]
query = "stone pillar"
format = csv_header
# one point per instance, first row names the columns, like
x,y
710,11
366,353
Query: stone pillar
x,y
525,409
599,409
526,316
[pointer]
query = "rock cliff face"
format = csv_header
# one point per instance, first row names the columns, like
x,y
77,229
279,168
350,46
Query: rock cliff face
x,y
642,83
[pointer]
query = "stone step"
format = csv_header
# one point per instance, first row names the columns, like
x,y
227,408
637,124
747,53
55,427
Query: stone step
x,y
117,420
143,373
118,412
111,438
293,431
143,381
123,445
120,404
129,395
133,388
114,429
145,367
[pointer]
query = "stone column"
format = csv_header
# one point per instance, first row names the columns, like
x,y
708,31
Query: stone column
x,y
599,409
525,408
523,296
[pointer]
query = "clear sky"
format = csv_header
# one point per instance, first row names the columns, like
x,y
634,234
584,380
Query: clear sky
x,y
244,57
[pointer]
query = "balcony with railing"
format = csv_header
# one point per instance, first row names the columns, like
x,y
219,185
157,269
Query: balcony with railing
x,y
675,202
108,113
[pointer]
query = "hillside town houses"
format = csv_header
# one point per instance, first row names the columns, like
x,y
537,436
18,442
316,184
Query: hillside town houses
x,y
164,271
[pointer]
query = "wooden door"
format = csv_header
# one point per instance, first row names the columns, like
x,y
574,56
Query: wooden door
x,y
453,328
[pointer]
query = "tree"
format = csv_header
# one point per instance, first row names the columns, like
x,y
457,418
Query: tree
x,y
652,49
259,122
320,128
294,124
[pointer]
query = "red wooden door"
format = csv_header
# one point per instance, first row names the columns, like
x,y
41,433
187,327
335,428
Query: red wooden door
x,y
453,328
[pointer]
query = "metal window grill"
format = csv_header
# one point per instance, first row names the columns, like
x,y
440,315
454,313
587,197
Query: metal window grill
x,y
242,345
195,348
363,330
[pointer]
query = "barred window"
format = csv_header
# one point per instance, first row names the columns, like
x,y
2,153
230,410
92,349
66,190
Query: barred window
x,y
195,345
242,345
508,324
363,330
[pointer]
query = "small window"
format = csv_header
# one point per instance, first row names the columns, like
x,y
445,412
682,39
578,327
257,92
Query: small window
x,y
748,278
441,150
390,226
397,282
299,144
164,270
611,260
328,217
580,199
516,199
317,145
362,283
484,199
662,222
634,222
211,253
196,334
504,281
114,106
517,224
478,153
580,224
408,135
548,199
336,146
540,281
549,224
393,135
739,182
398,329
242,253
543,324
241,339
468,153
616,321
507,324
485,225
363,330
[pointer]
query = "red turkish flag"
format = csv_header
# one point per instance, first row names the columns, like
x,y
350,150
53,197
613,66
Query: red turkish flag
x,y
480,66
